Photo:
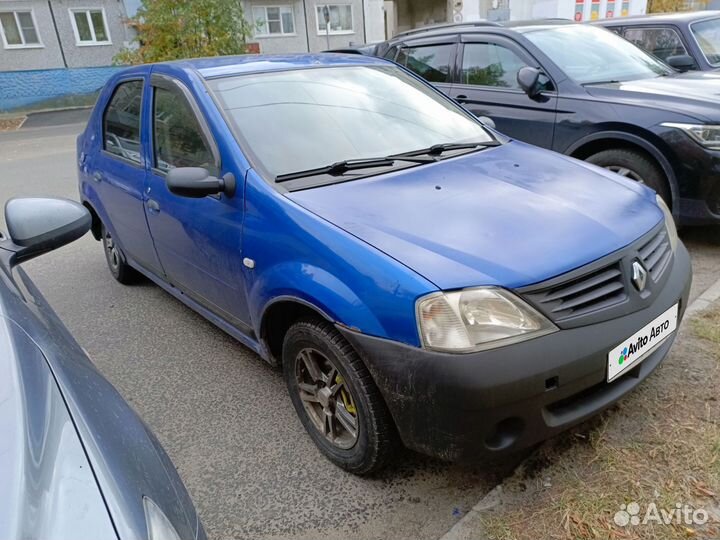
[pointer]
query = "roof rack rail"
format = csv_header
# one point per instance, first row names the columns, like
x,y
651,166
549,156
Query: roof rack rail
x,y
440,26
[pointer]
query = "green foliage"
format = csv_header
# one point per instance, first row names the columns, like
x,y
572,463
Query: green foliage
x,y
666,6
173,29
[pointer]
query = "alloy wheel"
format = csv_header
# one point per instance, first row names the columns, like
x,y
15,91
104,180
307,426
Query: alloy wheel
x,y
326,398
111,252
627,173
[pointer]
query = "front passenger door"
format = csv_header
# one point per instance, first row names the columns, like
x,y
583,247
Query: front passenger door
x,y
198,241
487,86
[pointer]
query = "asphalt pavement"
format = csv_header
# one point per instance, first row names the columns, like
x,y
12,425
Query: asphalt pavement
x,y
224,415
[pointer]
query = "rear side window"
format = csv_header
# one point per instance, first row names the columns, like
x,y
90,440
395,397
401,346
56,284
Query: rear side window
x,y
488,64
431,62
121,122
178,138
661,42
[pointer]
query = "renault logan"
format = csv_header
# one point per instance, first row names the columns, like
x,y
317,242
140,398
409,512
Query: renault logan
x,y
418,276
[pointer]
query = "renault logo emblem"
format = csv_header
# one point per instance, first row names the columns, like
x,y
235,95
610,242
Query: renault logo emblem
x,y
639,276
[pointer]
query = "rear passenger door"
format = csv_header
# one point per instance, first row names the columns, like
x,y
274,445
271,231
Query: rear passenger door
x,y
433,59
486,84
117,172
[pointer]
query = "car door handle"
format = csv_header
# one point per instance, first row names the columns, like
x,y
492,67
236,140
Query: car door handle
x,y
97,177
461,97
153,206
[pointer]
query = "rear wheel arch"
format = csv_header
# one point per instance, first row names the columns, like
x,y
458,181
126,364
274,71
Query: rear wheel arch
x,y
600,142
96,224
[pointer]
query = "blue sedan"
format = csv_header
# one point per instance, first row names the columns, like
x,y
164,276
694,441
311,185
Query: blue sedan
x,y
419,277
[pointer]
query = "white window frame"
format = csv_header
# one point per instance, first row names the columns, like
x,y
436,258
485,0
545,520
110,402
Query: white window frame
x,y
334,32
23,45
260,34
94,42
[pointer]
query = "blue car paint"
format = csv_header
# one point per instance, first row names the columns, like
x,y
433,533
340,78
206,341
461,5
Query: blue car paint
x,y
363,278
449,227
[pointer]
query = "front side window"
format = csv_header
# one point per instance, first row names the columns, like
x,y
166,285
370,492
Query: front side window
x,y
178,138
302,119
431,62
90,26
591,55
19,30
488,64
661,42
707,34
341,19
273,20
121,122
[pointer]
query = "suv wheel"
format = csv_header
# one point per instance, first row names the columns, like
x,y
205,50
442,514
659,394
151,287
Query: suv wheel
x,y
120,270
635,166
336,399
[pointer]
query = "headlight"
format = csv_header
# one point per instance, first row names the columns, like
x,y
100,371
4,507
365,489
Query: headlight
x,y
477,319
159,526
707,135
669,223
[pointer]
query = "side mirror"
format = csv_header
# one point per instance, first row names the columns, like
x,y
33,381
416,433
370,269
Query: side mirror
x,y
38,225
196,182
529,80
487,121
681,62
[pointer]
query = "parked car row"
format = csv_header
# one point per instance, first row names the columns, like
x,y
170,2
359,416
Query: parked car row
x,y
420,277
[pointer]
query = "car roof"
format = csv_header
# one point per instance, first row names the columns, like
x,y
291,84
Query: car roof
x,y
687,16
224,66
481,26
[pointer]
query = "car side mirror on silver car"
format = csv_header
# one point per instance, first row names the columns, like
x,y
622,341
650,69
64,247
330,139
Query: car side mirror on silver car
x,y
38,225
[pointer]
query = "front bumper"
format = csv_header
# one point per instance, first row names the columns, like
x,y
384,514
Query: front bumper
x,y
464,406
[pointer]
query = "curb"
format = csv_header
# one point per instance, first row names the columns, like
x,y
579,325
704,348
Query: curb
x,y
464,529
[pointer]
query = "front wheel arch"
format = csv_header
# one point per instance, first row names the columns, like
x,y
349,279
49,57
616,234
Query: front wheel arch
x,y
598,142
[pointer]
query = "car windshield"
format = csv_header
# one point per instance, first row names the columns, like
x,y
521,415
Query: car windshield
x,y
707,34
590,55
304,119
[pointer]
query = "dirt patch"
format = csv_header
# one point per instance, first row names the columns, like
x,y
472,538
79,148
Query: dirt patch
x,y
653,459
11,124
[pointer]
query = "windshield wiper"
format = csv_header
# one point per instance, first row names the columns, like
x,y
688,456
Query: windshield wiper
x,y
437,149
341,167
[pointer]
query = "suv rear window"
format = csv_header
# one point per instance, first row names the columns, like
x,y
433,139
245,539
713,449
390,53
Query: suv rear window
x,y
431,62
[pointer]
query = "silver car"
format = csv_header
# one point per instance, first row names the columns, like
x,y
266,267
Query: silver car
x,y
76,462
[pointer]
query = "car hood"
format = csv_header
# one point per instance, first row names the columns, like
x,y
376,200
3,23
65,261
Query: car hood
x,y
510,216
695,93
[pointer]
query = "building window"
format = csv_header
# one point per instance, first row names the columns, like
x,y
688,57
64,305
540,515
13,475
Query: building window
x,y
341,18
273,20
90,26
19,30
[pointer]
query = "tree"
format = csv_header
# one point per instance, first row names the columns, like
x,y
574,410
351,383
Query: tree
x,y
173,29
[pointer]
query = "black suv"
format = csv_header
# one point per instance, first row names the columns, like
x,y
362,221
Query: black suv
x,y
686,41
585,92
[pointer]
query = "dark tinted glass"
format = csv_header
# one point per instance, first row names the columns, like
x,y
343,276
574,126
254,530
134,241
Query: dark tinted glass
x,y
662,42
431,62
179,141
121,123
488,64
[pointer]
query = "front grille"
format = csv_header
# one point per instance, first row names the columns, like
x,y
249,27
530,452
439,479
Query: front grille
x,y
655,254
597,290
604,289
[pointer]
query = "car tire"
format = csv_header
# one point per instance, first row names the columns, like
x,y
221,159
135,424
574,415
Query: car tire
x,y
635,166
115,259
318,343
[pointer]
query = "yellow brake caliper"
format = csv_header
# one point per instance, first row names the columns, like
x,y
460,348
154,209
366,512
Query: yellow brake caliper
x,y
347,399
